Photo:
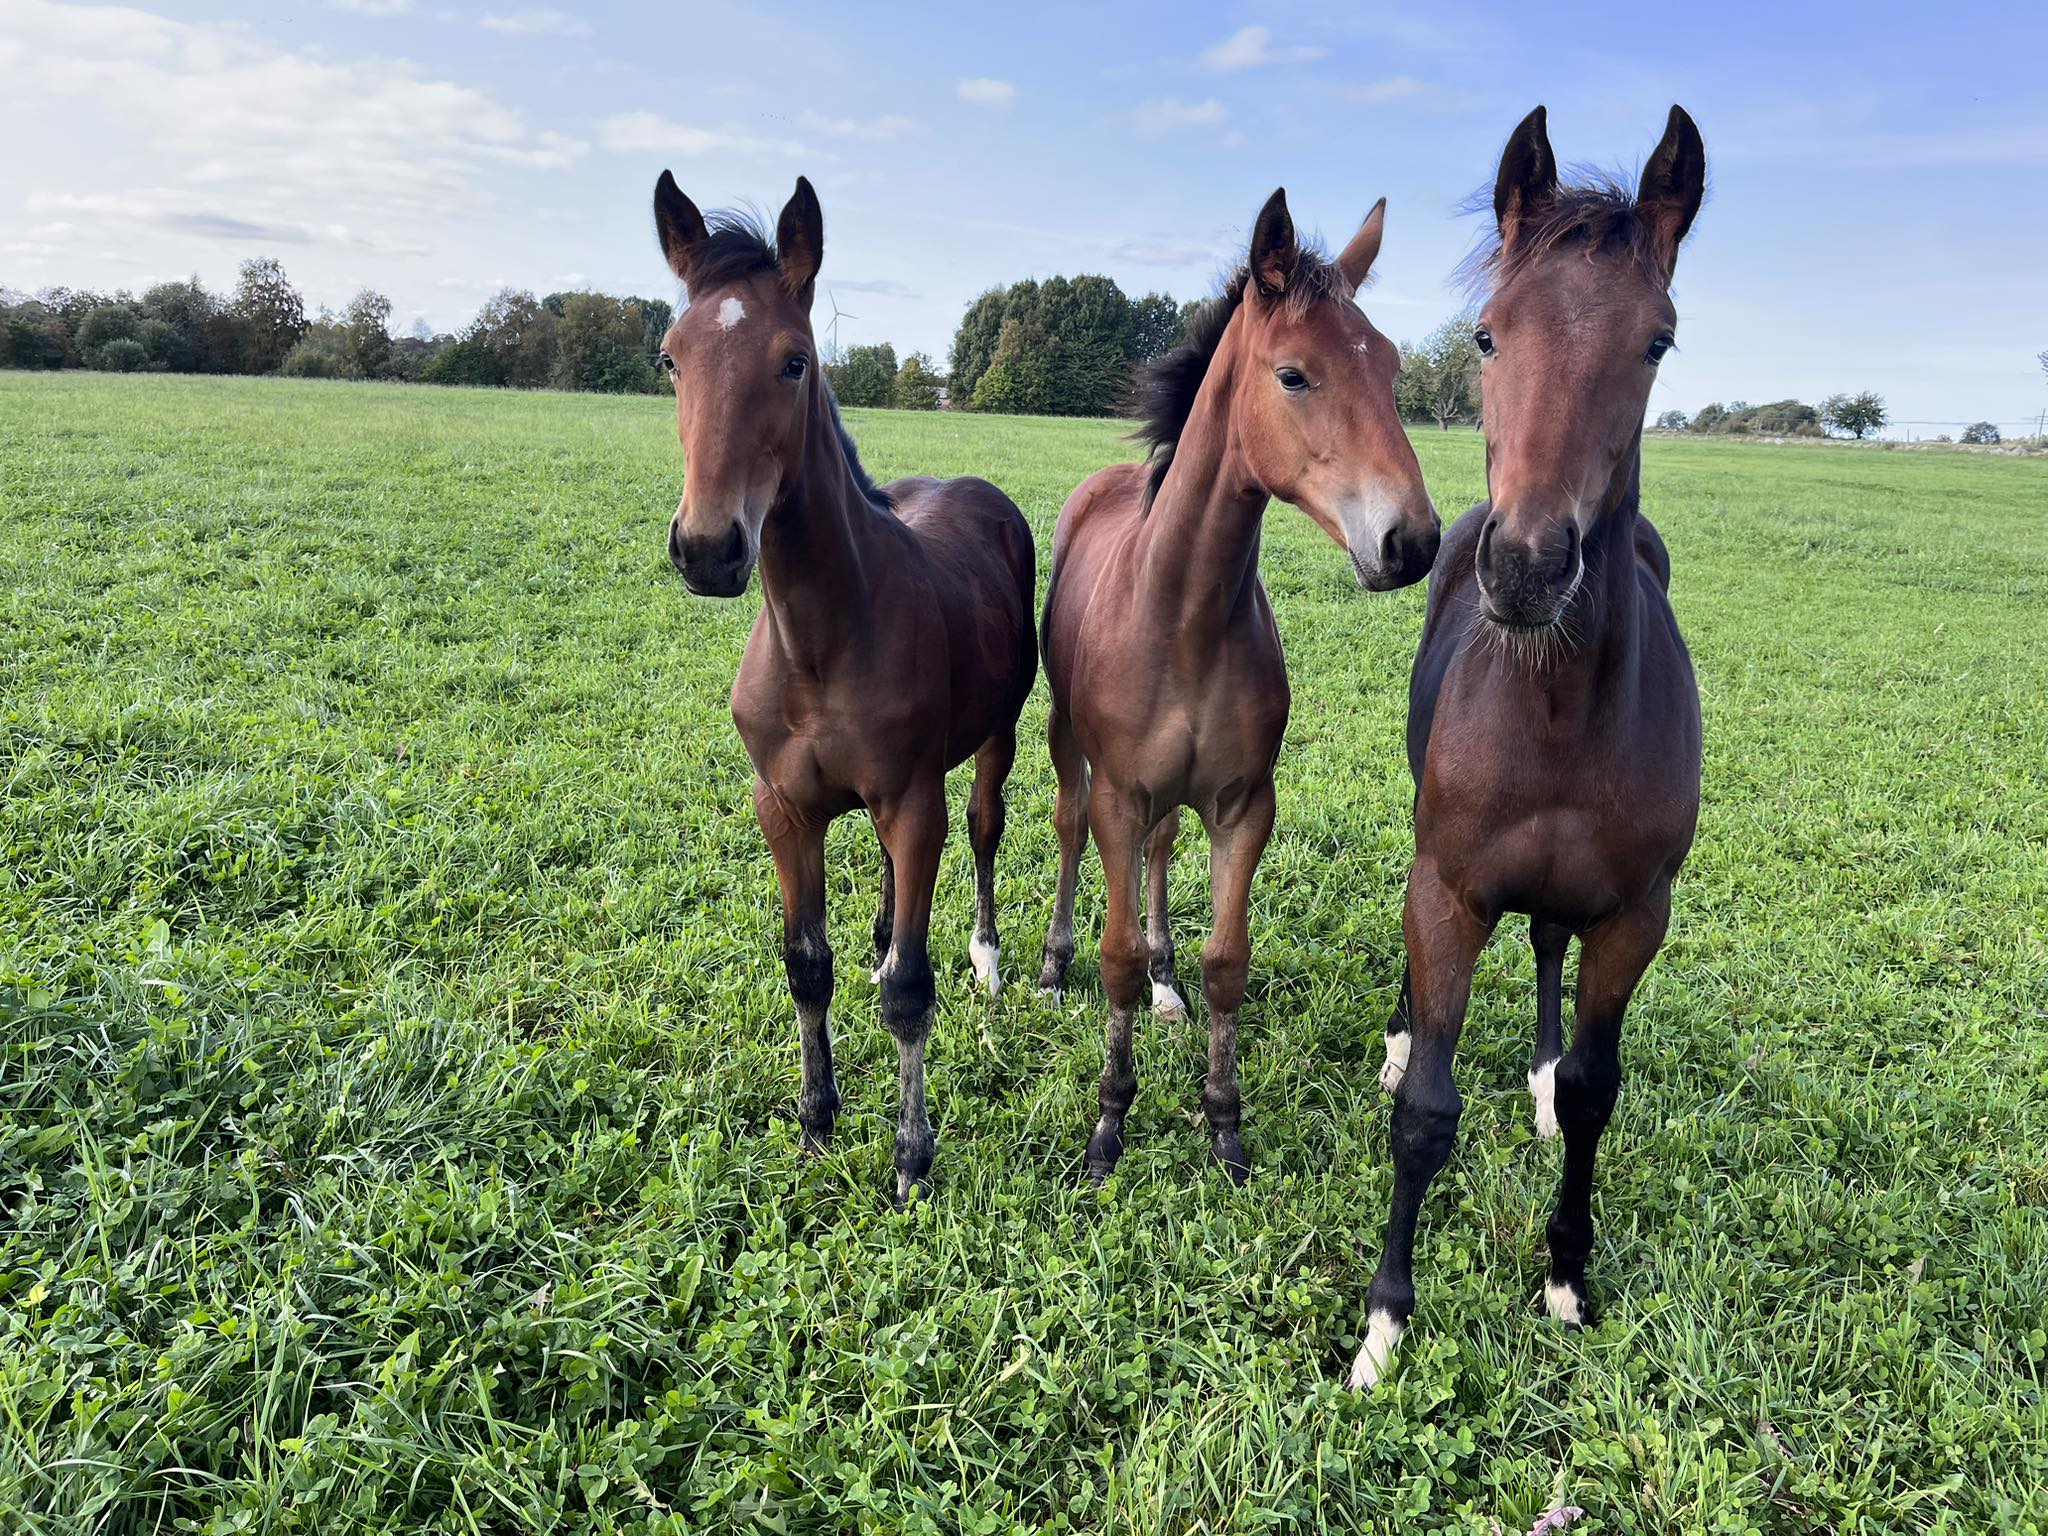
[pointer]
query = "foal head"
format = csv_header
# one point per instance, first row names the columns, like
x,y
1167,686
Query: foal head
x,y
744,367
1570,337
1311,404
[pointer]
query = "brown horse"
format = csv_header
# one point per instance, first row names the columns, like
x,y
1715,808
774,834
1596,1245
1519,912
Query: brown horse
x,y
894,638
1168,683
1553,724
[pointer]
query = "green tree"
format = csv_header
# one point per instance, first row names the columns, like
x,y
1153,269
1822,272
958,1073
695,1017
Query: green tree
x,y
1672,421
917,386
103,325
1439,379
366,335
1859,415
29,334
598,342
1981,433
124,354
865,376
187,310
1708,418
974,343
1156,326
320,354
656,315
269,315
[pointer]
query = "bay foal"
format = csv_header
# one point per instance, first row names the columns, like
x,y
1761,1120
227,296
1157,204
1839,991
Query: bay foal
x,y
1553,725
1168,683
894,638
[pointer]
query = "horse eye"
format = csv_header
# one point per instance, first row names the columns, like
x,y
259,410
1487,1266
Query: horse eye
x,y
795,367
1658,348
1293,380
1483,340
668,364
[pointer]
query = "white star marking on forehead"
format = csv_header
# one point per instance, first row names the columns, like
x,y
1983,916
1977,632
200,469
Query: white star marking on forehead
x,y
730,314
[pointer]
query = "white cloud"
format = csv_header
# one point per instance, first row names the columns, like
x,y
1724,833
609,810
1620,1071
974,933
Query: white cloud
x,y
371,7
855,127
1164,251
651,133
1409,90
1156,119
536,22
983,92
1251,47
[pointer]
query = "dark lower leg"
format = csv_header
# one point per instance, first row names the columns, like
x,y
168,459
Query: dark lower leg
x,y
799,850
1166,993
915,832
1444,939
1549,941
1070,821
1124,960
1397,1039
885,914
1612,959
1235,847
985,835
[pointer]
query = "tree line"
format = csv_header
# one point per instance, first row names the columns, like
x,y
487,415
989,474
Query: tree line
x,y
568,340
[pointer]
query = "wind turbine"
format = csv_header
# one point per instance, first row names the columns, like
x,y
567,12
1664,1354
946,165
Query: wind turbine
x,y
838,314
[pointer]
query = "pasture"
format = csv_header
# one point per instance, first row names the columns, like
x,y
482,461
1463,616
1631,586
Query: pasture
x,y
397,1072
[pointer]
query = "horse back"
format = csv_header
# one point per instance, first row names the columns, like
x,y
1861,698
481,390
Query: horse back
x,y
1099,517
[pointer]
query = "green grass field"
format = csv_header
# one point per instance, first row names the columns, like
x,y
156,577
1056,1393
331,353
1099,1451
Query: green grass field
x,y
397,1075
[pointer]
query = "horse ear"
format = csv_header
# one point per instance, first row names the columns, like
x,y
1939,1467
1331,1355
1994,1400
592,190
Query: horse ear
x,y
1672,186
678,223
800,240
1357,258
1527,182
1273,249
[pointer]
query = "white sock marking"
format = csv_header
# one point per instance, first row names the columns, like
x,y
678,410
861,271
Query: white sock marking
x,y
1543,1089
731,313
1396,1066
1165,1000
1563,1303
985,959
1382,1333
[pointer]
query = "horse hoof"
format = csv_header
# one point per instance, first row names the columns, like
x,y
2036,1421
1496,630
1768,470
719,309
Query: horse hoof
x,y
1231,1156
1167,1003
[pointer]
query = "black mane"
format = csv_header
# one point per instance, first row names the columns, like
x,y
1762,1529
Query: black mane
x,y
1163,391
1596,210
736,249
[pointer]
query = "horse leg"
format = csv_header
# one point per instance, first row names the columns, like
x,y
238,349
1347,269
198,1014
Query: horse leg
x,y
1070,819
799,849
1612,959
1444,937
985,834
1166,998
885,914
1397,1040
1234,850
1549,941
1119,829
914,831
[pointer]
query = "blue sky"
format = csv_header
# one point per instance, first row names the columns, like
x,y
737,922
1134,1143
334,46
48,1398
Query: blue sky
x,y
1878,213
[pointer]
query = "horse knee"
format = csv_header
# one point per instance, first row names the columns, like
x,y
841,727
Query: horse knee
x,y
1587,1086
1424,1129
807,961
1126,965
1224,968
908,997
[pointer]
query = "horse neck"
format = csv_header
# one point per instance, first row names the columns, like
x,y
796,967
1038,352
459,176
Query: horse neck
x,y
813,547
1200,559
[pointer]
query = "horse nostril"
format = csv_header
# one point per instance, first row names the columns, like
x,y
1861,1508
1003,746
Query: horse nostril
x,y
735,545
1486,541
1571,549
1390,552
675,542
